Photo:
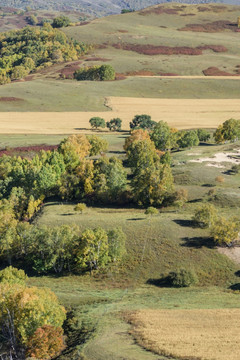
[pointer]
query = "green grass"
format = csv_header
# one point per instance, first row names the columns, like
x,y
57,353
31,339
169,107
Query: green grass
x,y
69,95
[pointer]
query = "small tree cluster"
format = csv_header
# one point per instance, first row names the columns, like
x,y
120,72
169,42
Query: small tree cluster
x,y
61,21
228,131
95,73
114,124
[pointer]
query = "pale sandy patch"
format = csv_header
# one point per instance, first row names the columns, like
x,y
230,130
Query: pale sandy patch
x,y
219,158
196,334
233,253
179,113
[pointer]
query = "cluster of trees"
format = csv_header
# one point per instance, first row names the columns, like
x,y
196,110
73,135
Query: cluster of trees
x,y
95,73
224,231
59,249
166,138
113,125
228,131
31,319
30,49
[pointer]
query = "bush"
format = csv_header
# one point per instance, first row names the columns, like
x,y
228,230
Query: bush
x,y
205,216
220,179
225,232
80,207
61,21
183,278
11,275
151,211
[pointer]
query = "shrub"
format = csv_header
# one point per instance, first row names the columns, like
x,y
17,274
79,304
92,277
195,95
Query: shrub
x,y
220,179
151,211
61,21
11,275
46,343
183,278
205,216
225,232
80,207
180,197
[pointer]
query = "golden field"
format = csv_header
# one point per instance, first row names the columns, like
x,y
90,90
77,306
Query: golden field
x,y
179,113
189,334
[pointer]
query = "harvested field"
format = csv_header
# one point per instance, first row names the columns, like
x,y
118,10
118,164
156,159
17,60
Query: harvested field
x,y
189,334
168,50
179,113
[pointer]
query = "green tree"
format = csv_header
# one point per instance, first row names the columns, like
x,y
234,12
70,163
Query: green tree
x,y
142,122
116,244
161,136
92,252
114,124
95,73
61,21
97,122
203,135
32,20
188,139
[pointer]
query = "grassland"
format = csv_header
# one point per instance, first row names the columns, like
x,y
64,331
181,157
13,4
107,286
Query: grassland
x,y
198,334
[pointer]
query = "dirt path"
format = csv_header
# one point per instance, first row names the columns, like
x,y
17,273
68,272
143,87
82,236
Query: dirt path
x,y
179,113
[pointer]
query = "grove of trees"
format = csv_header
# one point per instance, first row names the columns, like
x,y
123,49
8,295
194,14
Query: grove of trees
x,y
95,73
31,49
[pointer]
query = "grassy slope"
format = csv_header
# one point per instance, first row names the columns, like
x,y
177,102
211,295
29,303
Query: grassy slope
x,y
142,28
69,95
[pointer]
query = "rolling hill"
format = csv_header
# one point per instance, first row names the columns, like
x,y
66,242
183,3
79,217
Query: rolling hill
x,y
95,7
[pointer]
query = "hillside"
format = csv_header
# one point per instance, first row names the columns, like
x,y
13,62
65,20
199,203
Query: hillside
x,y
95,7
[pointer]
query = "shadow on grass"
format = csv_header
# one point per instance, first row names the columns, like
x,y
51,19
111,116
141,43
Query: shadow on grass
x,y
136,219
69,214
198,242
235,287
237,273
184,223
162,282
208,185
116,152
194,201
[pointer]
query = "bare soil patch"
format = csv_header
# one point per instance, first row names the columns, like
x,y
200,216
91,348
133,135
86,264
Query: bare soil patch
x,y
189,334
10,99
220,158
215,26
97,59
168,50
214,71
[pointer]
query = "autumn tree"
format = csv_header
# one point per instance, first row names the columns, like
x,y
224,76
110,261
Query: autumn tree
x,y
11,275
205,216
23,310
228,131
224,231
98,145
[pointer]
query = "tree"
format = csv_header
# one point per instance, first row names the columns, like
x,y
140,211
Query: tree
x,y
61,21
228,131
19,72
92,252
188,139
95,73
203,135
142,122
205,216
23,310
32,20
161,136
97,122
116,244
136,135
114,124
225,231
98,145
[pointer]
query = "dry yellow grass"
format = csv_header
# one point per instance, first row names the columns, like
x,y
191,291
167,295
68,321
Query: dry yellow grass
x,y
189,334
179,113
